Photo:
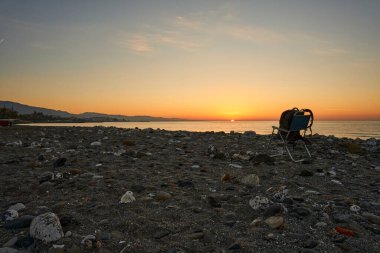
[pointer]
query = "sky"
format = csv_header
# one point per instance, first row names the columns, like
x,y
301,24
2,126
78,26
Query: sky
x,y
198,59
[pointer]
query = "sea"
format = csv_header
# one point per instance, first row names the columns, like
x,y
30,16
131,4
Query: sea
x,y
348,129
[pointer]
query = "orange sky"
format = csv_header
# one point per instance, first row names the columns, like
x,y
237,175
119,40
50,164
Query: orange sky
x,y
242,60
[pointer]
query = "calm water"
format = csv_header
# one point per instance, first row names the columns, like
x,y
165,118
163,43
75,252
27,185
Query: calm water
x,y
350,129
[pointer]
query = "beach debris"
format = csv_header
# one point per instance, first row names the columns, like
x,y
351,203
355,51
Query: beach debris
x,y
127,197
250,180
46,227
259,202
344,231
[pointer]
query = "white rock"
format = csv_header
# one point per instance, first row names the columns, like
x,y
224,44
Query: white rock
x,y
96,143
321,224
236,166
17,207
336,182
46,227
127,197
355,208
259,202
196,166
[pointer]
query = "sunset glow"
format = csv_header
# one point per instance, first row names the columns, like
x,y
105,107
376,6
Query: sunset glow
x,y
202,60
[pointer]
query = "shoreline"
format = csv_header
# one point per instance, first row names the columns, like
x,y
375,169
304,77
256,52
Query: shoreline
x,y
194,191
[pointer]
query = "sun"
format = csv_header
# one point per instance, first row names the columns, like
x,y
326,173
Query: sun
x,y
232,120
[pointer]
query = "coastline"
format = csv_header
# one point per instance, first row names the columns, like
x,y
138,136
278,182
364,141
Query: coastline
x,y
189,196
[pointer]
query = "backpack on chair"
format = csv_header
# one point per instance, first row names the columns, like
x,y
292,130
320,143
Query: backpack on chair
x,y
286,121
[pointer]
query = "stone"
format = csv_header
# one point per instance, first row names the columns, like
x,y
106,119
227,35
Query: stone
x,y
372,218
225,177
185,183
96,143
354,148
302,211
127,198
274,221
234,246
235,166
137,188
24,242
17,207
214,201
250,180
196,235
11,242
259,202
46,227
273,210
161,234
355,208
22,222
60,162
9,215
263,158
310,244
163,196
306,173
8,250
256,222
321,224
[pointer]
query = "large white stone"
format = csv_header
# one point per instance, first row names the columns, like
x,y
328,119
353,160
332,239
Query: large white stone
x,y
46,227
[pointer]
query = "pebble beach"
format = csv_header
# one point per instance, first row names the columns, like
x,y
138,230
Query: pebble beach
x,y
106,189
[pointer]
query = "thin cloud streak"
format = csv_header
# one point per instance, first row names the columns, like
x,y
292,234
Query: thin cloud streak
x,y
139,44
328,51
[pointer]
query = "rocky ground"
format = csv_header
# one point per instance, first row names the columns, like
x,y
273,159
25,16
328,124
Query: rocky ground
x,y
62,189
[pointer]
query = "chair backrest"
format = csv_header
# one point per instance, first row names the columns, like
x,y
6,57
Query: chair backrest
x,y
299,122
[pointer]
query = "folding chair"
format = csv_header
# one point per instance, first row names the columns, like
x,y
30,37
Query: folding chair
x,y
300,122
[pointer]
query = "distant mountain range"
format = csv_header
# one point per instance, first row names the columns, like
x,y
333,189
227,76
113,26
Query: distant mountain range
x,y
27,109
